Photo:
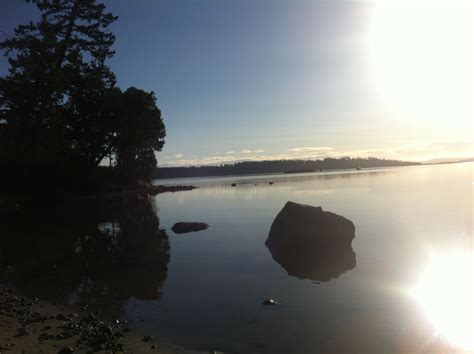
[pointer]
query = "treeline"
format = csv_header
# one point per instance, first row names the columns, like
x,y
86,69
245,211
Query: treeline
x,y
276,166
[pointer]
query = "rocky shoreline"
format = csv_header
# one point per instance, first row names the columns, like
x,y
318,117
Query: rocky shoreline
x,y
10,203
30,325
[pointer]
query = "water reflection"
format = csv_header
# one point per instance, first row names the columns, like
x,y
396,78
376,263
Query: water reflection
x,y
445,292
92,252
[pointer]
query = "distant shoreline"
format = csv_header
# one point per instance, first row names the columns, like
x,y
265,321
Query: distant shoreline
x,y
290,172
277,167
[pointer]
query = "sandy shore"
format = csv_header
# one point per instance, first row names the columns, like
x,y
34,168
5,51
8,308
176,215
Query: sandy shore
x,y
34,326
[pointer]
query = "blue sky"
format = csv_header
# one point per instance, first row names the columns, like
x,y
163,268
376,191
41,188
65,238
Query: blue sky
x,y
264,79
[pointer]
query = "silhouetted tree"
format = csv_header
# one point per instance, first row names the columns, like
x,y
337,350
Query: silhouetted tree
x,y
140,132
60,110
54,64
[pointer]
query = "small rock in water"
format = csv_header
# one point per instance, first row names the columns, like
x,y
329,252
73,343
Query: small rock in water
x,y
233,184
270,302
270,183
185,227
148,339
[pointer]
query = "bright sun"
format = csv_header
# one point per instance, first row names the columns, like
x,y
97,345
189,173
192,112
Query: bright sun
x,y
445,292
421,55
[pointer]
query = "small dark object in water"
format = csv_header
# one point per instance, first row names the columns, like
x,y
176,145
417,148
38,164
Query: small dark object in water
x,y
148,339
66,350
270,183
233,184
184,227
270,302
153,346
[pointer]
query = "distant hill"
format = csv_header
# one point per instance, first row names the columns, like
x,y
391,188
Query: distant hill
x,y
448,160
276,166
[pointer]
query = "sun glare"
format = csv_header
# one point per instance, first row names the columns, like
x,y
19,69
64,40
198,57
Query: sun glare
x,y
445,292
422,56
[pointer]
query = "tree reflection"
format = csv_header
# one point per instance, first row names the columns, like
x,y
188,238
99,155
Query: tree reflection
x,y
99,252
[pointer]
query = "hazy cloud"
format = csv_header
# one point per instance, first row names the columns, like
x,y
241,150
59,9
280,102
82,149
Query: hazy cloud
x,y
410,152
247,151
311,148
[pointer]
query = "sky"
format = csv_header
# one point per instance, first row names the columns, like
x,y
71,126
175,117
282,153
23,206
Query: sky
x,y
277,79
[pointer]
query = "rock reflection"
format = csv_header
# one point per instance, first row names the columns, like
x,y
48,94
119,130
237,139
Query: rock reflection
x,y
310,243
92,252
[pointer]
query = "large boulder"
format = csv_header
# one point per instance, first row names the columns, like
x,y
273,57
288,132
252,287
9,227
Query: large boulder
x,y
310,243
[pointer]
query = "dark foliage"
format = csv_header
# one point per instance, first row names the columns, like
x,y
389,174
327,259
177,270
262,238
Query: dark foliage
x,y
61,113
140,132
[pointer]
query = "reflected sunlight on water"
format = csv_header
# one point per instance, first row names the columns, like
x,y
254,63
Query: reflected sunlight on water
x,y
445,293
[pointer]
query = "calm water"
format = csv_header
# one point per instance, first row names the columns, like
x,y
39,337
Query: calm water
x,y
204,290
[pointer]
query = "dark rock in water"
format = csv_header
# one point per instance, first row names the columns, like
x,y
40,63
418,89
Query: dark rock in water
x,y
310,243
233,184
270,302
184,227
270,183
148,339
